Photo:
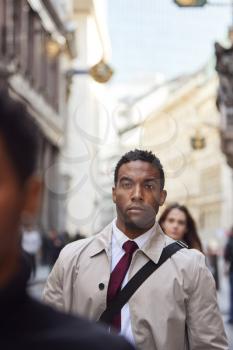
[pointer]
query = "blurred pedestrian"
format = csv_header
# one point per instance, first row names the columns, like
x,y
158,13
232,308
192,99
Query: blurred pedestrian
x,y
55,243
65,237
228,256
25,323
177,222
31,244
175,308
212,255
45,249
52,244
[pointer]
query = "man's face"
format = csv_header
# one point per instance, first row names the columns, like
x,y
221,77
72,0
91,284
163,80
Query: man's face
x,y
15,198
138,196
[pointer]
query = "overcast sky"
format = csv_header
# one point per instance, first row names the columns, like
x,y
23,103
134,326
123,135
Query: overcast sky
x,y
150,36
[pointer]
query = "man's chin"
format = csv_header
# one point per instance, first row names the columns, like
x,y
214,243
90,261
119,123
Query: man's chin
x,y
139,224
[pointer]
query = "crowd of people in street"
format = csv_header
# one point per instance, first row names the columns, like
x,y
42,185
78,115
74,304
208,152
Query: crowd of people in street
x,y
145,282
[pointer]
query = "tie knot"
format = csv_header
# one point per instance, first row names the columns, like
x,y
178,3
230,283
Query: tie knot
x,y
130,247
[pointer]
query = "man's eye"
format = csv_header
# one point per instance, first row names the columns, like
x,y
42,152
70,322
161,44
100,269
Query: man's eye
x,y
149,186
126,184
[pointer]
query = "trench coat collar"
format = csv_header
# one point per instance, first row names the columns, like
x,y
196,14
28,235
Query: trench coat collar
x,y
152,249
102,241
154,246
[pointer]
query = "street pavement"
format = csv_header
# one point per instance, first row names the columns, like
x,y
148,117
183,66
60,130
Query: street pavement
x,y
36,288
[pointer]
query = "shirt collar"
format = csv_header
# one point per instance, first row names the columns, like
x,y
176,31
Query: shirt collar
x,y
152,246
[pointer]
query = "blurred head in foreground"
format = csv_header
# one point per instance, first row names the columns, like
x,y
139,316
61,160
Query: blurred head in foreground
x,y
19,187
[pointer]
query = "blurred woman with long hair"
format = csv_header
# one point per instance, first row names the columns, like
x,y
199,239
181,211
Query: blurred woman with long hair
x,y
177,222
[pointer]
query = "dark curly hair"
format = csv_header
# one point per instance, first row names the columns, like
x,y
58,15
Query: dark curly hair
x,y
145,156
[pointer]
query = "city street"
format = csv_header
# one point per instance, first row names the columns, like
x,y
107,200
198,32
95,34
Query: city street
x,y
117,116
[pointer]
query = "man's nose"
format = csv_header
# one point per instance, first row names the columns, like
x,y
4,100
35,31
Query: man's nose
x,y
137,193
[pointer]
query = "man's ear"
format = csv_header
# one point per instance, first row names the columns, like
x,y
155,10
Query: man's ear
x,y
163,196
33,193
114,194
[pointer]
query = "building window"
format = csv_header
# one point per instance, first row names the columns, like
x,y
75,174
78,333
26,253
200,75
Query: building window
x,y
9,29
2,28
17,28
31,46
24,38
52,77
24,42
44,63
38,47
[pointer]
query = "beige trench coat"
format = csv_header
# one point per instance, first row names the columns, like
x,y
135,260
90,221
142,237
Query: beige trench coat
x,y
174,309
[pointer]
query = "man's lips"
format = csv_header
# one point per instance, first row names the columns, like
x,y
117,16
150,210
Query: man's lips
x,y
135,208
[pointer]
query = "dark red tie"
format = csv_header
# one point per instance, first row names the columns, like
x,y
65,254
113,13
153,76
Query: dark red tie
x,y
117,277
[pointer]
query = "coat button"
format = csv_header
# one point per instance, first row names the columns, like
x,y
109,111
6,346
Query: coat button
x,y
101,286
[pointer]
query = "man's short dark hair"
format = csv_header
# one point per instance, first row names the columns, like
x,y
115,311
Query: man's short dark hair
x,y
145,156
20,135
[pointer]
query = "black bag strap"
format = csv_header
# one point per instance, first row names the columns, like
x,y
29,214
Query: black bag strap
x,y
134,283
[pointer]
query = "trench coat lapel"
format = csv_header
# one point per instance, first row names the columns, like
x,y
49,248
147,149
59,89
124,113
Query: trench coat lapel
x,y
102,241
154,246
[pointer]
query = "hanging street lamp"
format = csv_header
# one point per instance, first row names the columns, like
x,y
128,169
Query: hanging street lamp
x,y
190,3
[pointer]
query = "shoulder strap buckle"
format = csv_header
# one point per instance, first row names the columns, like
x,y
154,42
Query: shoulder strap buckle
x,y
182,244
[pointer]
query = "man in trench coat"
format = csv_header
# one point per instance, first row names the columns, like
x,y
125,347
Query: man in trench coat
x,y
176,307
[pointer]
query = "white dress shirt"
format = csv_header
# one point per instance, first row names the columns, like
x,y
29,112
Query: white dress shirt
x,y
118,239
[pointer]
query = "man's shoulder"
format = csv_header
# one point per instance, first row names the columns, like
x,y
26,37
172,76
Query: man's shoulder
x,y
190,266
190,256
187,259
74,249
